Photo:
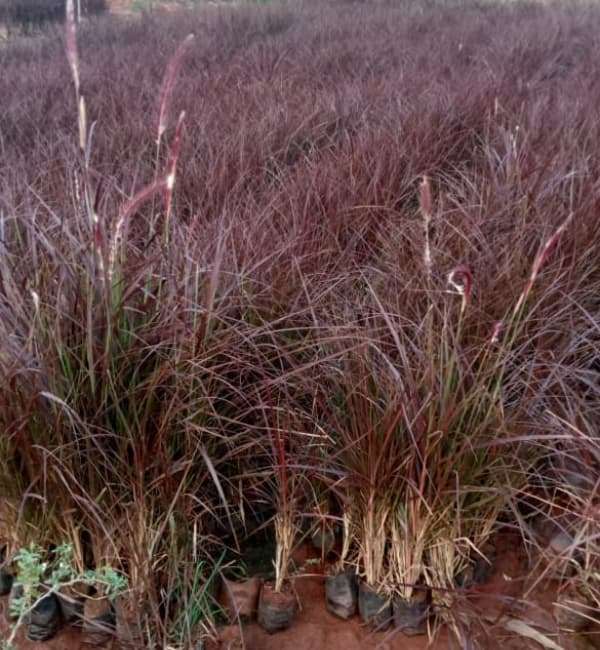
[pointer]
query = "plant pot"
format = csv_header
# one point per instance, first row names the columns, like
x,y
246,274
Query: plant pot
x,y
72,602
98,621
6,582
240,598
375,608
276,610
16,591
410,616
129,623
44,619
323,539
341,593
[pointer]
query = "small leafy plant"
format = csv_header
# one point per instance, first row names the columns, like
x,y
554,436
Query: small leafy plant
x,y
41,573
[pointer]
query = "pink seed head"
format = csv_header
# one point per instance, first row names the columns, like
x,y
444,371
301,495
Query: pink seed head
x,y
168,84
425,198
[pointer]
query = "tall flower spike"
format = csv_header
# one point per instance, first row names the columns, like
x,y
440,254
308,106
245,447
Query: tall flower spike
x,y
172,166
425,200
426,206
71,43
126,211
73,59
167,86
540,258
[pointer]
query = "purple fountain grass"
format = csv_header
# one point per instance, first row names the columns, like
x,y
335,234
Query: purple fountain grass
x,y
130,208
172,167
73,59
426,206
538,263
362,214
168,85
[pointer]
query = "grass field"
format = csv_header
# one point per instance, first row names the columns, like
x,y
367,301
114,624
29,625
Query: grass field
x,y
322,264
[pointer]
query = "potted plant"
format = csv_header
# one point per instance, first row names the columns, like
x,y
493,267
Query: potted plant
x,y
239,596
131,605
99,619
6,577
71,600
8,526
341,587
362,410
40,577
374,602
129,625
412,598
106,585
69,561
32,602
277,603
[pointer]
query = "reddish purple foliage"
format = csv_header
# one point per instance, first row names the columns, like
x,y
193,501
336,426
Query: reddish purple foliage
x,y
294,258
